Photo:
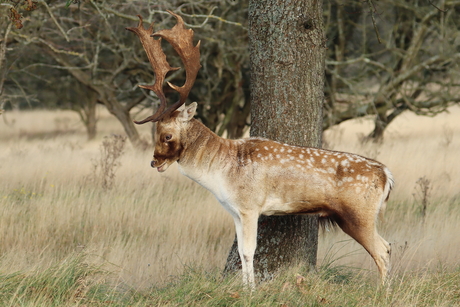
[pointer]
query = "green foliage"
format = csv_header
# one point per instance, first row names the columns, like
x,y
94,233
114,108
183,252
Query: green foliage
x,y
72,282
58,285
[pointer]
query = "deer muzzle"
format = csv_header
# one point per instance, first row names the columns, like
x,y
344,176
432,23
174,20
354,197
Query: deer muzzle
x,y
161,167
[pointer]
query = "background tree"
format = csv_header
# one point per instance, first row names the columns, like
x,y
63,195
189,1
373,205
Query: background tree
x,y
87,42
12,13
287,51
3,68
415,67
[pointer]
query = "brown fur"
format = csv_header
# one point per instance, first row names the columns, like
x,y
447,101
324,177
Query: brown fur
x,y
257,176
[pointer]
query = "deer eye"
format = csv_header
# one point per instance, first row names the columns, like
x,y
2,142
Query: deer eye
x,y
168,137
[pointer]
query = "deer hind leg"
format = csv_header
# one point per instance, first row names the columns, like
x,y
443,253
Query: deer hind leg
x,y
246,233
365,233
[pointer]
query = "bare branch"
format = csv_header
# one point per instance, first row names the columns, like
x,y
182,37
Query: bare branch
x,y
2,61
434,5
130,17
54,20
210,16
362,58
372,11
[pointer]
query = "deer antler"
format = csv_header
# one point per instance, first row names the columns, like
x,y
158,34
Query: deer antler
x,y
182,41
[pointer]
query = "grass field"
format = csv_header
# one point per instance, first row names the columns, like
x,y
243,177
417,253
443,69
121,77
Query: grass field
x,y
159,239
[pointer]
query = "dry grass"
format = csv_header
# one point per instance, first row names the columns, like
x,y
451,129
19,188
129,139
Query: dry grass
x,y
151,226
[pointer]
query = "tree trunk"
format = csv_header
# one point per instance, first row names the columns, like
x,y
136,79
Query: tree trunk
x,y
106,97
123,116
3,69
287,52
84,102
91,119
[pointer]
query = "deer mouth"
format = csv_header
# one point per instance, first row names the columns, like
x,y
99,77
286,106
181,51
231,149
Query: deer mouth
x,y
162,167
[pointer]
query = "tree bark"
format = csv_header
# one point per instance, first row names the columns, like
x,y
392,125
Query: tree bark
x,y
89,118
3,69
287,54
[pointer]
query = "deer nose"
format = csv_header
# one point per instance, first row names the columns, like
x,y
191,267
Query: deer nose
x,y
152,164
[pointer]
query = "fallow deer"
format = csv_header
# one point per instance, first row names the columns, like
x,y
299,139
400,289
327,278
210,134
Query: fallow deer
x,y
256,176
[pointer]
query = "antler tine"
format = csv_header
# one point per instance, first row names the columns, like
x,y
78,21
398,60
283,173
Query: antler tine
x,y
181,39
159,64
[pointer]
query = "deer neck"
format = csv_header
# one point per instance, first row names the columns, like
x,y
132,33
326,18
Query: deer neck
x,y
203,152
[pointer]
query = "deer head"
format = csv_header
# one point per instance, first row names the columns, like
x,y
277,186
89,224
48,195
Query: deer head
x,y
169,121
168,135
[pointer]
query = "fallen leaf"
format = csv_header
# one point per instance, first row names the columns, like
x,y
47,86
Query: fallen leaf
x,y
235,295
299,279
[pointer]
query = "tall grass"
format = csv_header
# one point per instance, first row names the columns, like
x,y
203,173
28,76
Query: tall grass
x,y
160,239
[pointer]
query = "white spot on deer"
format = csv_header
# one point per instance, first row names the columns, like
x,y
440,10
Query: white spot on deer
x,y
339,183
265,147
323,161
259,155
275,150
330,170
289,150
291,157
358,190
270,156
278,156
282,149
345,163
301,156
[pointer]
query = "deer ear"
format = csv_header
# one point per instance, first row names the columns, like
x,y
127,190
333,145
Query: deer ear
x,y
187,112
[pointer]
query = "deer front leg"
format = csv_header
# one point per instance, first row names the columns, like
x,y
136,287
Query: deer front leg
x,y
246,233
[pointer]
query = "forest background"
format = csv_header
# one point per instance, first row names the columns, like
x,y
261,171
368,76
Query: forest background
x,y
86,221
